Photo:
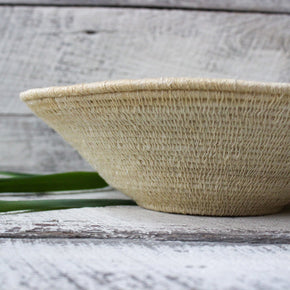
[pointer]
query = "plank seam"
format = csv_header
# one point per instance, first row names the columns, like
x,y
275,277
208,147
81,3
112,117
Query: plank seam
x,y
150,7
197,237
15,115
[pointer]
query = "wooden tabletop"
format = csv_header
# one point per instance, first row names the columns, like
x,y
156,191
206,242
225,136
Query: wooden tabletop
x,y
134,222
124,247
60,42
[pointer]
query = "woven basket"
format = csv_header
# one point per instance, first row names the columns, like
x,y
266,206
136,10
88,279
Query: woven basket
x,y
191,146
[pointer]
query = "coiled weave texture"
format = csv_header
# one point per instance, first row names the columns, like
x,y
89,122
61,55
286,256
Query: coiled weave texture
x,y
191,146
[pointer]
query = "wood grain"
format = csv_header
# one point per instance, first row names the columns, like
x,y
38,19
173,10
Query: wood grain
x,y
231,5
133,222
130,247
45,46
127,264
57,46
27,144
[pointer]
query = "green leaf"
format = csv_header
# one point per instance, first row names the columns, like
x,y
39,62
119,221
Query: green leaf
x,y
53,182
16,174
43,205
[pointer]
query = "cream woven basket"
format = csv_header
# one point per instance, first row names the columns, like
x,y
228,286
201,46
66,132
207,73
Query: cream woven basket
x,y
181,145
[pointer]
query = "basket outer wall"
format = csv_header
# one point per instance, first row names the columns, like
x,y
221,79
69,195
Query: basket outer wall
x,y
191,147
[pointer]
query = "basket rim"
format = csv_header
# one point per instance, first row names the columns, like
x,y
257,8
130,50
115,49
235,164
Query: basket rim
x,y
157,84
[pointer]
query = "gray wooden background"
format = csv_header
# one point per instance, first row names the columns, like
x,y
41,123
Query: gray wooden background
x,y
46,43
59,42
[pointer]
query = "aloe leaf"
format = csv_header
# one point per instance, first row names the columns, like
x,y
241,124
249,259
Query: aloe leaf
x,y
17,174
53,182
43,205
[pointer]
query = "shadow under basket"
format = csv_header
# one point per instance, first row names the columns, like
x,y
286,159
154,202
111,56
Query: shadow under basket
x,y
181,145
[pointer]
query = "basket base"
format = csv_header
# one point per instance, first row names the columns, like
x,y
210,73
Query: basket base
x,y
218,212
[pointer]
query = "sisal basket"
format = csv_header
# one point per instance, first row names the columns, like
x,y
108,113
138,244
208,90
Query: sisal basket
x,y
181,145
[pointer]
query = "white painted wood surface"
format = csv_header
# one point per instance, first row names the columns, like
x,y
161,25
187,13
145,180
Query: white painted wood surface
x,y
235,5
45,46
128,264
133,222
28,145
130,247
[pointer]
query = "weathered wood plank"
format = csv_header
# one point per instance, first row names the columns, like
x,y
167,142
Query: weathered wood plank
x,y
28,145
245,5
133,222
119,264
44,46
